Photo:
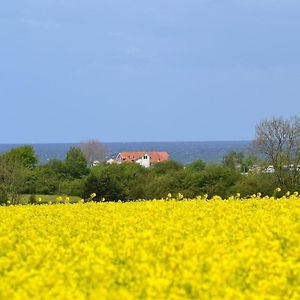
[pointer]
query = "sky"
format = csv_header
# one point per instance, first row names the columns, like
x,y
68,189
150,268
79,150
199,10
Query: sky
x,y
135,70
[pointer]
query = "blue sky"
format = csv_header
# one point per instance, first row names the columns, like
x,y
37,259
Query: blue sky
x,y
134,70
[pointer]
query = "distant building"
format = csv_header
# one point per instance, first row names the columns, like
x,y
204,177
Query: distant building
x,y
111,161
271,169
145,159
95,163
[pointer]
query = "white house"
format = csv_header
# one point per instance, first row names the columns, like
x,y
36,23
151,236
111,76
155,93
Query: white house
x,y
145,159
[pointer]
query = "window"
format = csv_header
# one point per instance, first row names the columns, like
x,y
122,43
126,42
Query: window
x,y
145,157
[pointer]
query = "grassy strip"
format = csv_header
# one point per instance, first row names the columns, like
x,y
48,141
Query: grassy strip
x,y
49,198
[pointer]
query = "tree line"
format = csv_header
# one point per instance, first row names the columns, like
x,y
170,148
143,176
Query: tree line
x,y
277,142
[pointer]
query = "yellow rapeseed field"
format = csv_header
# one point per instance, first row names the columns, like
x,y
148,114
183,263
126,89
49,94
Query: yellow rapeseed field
x,y
161,249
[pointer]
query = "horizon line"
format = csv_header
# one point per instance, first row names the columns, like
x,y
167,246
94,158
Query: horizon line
x,y
126,142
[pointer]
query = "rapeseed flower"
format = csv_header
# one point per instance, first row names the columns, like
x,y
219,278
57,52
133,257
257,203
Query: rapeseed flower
x,y
189,249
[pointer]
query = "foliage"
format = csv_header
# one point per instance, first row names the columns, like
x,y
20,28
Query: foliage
x,y
160,186
3,196
233,159
76,163
74,187
59,167
167,167
104,183
12,177
250,163
32,199
252,183
218,180
168,249
45,180
196,166
48,199
19,174
25,155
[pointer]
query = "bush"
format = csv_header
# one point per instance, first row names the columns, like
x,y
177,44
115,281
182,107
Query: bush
x,y
105,185
3,197
72,187
32,199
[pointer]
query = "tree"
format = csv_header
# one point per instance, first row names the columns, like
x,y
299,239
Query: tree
x,y
160,186
233,159
25,155
76,163
196,166
218,180
166,167
237,161
45,180
104,184
93,150
16,166
254,183
12,178
249,163
279,141
58,166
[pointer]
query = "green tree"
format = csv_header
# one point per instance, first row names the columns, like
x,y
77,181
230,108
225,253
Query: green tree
x,y
166,167
233,160
59,167
218,180
196,166
105,185
24,155
188,182
12,178
74,187
160,186
126,175
45,181
249,163
76,163
253,183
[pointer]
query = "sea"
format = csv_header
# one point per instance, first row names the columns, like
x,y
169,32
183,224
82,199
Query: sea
x,y
184,152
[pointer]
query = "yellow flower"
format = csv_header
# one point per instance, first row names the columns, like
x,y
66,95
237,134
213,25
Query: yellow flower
x,y
59,199
188,249
179,196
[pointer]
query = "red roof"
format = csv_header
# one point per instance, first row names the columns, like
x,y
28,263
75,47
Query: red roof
x,y
155,157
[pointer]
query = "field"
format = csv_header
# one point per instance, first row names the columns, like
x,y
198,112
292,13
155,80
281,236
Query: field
x,y
188,249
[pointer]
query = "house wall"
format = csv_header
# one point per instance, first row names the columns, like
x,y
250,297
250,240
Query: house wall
x,y
144,161
119,159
